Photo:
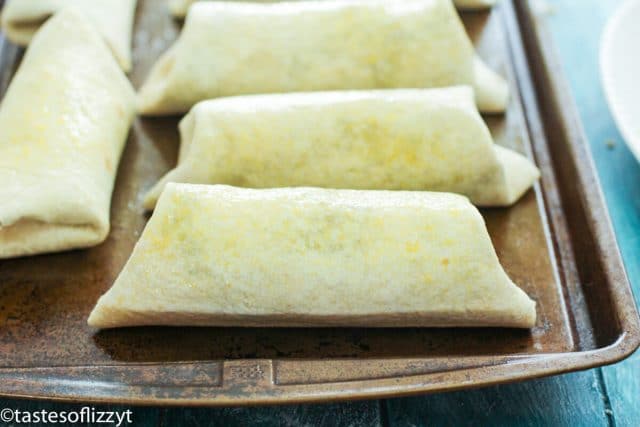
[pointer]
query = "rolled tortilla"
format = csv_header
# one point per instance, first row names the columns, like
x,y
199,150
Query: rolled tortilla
x,y
224,256
63,124
179,7
21,19
404,139
317,45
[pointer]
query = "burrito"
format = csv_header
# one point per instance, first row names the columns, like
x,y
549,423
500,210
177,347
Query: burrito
x,y
395,139
21,19
307,257
179,7
63,124
235,48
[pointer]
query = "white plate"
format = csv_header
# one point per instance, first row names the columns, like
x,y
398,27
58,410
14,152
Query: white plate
x,y
620,67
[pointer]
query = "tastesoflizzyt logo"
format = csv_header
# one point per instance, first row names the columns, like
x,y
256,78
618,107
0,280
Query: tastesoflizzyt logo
x,y
86,415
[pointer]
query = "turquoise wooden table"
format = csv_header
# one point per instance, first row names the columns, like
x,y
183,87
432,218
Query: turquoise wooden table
x,y
606,396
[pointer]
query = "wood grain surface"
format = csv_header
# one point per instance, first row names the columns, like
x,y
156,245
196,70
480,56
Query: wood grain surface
x,y
577,27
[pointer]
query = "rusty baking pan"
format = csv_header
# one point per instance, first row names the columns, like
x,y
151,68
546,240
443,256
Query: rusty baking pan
x,y
557,243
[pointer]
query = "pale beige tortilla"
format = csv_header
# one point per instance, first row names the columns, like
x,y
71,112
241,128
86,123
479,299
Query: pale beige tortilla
x,y
418,139
179,7
235,48
21,19
225,256
63,124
